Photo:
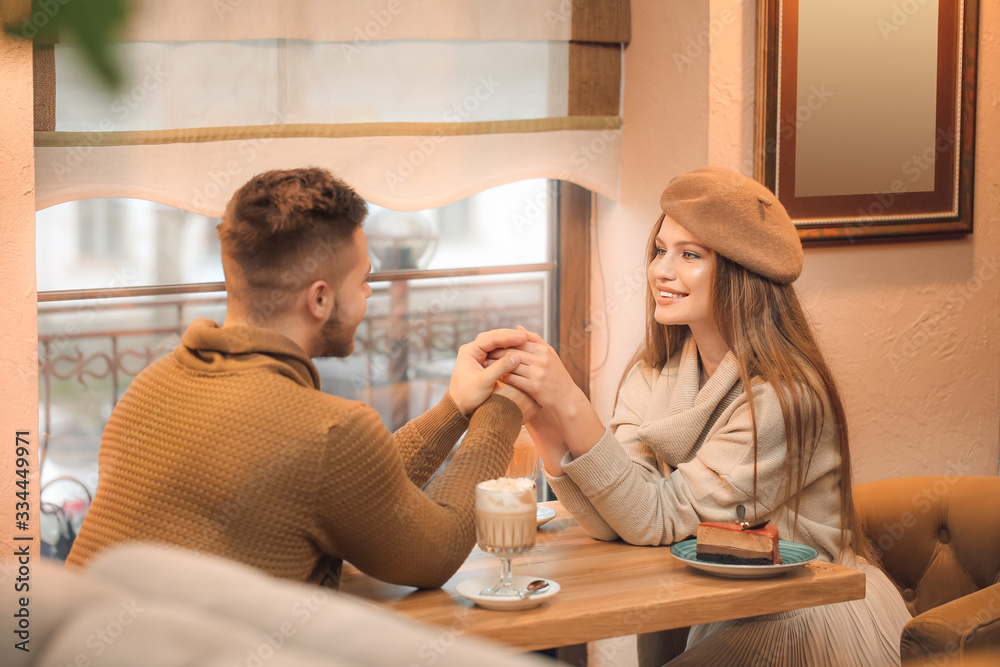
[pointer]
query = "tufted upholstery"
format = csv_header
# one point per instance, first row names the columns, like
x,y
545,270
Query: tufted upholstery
x,y
939,540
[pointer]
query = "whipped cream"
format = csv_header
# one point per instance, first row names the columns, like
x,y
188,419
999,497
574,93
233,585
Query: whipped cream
x,y
506,494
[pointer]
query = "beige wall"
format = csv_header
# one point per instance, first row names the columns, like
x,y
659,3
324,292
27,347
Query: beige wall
x,y
913,336
18,323
922,389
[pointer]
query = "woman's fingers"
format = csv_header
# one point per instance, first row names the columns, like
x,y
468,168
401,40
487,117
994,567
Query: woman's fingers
x,y
500,354
532,336
495,371
529,348
488,341
519,382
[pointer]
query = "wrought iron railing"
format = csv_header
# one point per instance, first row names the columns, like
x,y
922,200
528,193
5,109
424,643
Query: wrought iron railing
x,y
392,347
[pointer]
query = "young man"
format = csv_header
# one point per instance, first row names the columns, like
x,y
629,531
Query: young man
x,y
228,446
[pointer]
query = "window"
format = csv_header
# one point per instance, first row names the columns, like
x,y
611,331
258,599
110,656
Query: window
x,y
120,279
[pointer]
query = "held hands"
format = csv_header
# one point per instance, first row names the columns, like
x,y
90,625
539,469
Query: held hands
x,y
471,382
527,404
567,420
539,373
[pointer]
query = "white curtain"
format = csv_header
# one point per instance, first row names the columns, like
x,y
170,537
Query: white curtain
x,y
414,103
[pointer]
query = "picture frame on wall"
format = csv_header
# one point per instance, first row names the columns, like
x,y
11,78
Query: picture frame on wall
x,y
865,115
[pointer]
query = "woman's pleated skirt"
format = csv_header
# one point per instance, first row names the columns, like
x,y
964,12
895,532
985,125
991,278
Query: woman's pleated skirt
x,y
859,632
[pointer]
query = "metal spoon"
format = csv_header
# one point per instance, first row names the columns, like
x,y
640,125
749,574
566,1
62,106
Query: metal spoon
x,y
536,586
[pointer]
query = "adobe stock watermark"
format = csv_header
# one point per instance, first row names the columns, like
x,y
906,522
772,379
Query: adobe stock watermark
x,y
922,502
366,34
302,611
421,319
85,313
46,11
104,637
788,124
636,620
899,16
600,314
425,146
766,659
251,494
990,609
121,108
914,167
535,209
293,279
586,154
433,649
954,302
696,46
220,178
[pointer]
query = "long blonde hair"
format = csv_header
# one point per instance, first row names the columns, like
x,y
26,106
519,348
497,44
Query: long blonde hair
x,y
764,325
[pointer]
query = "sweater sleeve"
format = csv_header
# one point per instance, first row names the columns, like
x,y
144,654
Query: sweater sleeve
x,y
624,430
370,513
644,507
425,442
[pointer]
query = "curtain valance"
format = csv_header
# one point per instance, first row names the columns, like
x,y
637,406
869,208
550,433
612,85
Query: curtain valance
x,y
443,100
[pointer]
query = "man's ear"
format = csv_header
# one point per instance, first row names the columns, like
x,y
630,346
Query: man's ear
x,y
320,300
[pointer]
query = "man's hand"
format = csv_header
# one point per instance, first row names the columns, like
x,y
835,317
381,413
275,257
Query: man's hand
x,y
528,406
472,383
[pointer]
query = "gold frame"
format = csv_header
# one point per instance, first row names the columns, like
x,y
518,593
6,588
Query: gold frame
x,y
947,211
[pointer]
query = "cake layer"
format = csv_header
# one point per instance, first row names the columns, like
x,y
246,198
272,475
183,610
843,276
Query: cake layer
x,y
733,560
725,542
734,551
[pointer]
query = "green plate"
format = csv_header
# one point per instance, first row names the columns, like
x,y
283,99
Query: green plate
x,y
793,555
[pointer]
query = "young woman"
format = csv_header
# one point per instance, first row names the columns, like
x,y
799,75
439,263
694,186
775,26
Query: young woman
x,y
728,402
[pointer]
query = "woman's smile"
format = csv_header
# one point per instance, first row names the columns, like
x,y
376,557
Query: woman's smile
x,y
680,276
669,297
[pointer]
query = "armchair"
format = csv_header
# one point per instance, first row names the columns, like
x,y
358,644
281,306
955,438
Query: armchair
x,y
939,540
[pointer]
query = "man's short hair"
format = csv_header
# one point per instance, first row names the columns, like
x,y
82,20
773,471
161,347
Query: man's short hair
x,y
283,227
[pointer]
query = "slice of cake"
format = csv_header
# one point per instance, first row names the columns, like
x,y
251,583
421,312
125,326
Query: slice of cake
x,y
733,544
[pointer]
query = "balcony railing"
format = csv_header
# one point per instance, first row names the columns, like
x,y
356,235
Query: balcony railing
x,y
88,354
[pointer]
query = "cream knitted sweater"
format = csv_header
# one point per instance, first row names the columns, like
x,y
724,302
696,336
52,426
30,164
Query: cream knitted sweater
x,y
675,456
227,446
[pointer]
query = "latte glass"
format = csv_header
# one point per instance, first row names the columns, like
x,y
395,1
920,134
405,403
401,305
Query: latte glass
x,y
505,525
524,463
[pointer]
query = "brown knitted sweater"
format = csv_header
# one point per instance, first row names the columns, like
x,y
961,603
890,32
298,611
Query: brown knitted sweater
x,y
227,446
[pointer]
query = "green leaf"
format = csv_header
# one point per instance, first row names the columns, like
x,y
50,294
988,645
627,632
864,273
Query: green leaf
x,y
90,24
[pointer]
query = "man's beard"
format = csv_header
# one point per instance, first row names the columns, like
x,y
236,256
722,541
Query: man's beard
x,y
336,340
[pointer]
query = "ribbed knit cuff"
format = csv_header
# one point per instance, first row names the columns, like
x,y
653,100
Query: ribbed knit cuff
x,y
500,415
444,421
568,493
602,466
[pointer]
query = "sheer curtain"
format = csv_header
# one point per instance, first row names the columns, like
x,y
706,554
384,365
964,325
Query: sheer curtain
x,y
415,103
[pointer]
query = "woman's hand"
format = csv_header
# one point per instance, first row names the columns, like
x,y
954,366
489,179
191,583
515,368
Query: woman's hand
x,y
547,433
472,382
540,373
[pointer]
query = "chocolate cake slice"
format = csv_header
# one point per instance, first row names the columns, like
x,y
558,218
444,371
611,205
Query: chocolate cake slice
x,y
732,544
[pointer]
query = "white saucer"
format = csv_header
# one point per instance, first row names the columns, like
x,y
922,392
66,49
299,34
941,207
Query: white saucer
x,y
471,587
544,515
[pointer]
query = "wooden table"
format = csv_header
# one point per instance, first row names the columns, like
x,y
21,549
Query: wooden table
x,y
608,589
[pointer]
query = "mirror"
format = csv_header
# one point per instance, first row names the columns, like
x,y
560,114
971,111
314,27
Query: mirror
x,y
865,115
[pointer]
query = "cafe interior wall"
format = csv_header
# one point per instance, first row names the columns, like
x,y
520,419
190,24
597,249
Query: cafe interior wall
x,y
18,323
921,399
920,378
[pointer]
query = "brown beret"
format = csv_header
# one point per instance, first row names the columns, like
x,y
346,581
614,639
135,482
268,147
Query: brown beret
x,y
738,218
